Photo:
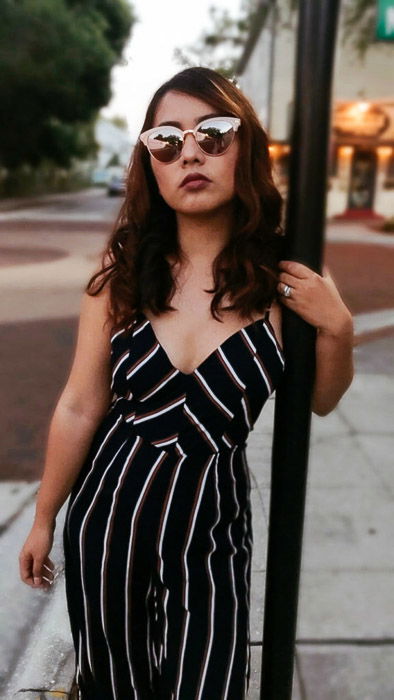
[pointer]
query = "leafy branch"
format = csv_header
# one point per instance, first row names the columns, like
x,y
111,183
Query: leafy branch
x,y
222,44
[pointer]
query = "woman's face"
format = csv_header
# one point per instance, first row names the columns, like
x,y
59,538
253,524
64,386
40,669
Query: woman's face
x,y
200,197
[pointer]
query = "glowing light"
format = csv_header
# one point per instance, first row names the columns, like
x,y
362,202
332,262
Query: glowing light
x,y
345,151
362,106
384,151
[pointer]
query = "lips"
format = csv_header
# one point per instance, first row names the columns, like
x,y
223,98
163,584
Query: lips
x,y
192,177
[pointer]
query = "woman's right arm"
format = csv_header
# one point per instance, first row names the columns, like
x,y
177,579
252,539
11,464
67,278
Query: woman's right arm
x,y
83,403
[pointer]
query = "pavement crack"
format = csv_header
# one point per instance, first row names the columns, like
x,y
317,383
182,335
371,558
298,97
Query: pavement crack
x,y
7,523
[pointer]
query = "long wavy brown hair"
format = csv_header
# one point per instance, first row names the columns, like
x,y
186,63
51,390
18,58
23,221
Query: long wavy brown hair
x,y
145,231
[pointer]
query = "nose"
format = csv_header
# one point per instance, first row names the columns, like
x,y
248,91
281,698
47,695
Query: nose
x,y
190,150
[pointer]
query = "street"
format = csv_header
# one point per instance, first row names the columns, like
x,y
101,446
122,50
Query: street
x,y
47,253
48,249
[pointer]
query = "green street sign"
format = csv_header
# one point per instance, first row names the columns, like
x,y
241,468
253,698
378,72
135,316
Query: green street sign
x,y
385,20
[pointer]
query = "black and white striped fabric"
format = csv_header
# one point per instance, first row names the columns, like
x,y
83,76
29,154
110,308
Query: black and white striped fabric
x,y
157,535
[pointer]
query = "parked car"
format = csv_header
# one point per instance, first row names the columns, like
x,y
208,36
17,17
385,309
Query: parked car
x,y
116,186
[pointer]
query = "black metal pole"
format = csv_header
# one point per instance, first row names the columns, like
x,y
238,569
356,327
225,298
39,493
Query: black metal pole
x,y
304,242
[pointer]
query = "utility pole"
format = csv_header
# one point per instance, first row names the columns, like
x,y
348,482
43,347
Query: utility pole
x,y
305,220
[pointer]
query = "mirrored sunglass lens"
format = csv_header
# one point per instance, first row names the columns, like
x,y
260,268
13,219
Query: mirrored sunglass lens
x,y
215,137
165,145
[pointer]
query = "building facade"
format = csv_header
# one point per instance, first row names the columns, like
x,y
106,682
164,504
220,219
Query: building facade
x,y
361,171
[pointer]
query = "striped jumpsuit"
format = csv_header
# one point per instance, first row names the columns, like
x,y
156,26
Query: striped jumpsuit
x,y
157,535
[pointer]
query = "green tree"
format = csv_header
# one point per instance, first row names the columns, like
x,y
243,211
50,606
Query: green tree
x,y
56,58
118,121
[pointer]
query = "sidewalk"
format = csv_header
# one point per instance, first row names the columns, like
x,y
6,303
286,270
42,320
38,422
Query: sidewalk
x,y
345,641
356,232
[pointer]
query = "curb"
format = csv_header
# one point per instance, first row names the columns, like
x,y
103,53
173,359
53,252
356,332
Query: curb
x,y
45,667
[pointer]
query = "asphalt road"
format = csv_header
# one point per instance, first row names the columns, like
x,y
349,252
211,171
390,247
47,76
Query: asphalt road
x,y
36,348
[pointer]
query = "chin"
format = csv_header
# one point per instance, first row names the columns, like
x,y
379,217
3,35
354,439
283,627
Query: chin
x,y
202,208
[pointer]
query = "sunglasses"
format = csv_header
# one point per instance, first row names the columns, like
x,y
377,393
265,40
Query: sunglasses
x,y
213,136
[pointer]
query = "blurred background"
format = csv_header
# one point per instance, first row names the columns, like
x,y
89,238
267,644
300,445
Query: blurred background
x,y
76,78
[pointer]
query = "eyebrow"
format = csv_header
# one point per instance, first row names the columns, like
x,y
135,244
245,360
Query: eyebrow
x,y
196,121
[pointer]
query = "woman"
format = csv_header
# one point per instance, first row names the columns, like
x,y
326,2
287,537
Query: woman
x,y
149,434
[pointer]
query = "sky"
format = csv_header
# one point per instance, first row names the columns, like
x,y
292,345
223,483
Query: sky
x,y
148,57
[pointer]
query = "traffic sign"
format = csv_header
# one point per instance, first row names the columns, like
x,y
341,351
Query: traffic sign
x,y
385,20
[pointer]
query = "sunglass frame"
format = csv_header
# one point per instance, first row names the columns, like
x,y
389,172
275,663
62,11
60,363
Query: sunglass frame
x,y
234,121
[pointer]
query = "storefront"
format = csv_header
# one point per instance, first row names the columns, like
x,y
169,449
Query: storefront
x,y
361,163
362,160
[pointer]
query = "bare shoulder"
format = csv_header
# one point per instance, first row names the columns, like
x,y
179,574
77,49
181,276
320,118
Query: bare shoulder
x,y
95,323
96,308
88,386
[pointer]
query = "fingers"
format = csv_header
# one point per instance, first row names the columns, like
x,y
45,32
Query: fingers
x,y
299,278
286,287
285,278
295,269
286,292
314,297
36,572
25,568
43,573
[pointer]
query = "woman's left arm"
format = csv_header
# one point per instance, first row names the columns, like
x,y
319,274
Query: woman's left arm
x,y
317,300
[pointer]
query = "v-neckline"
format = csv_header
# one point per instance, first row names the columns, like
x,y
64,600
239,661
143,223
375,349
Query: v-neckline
x,y
211,354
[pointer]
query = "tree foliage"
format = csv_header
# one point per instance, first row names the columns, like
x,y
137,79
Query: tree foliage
x,y
358,23
221,45
56,58
118,121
